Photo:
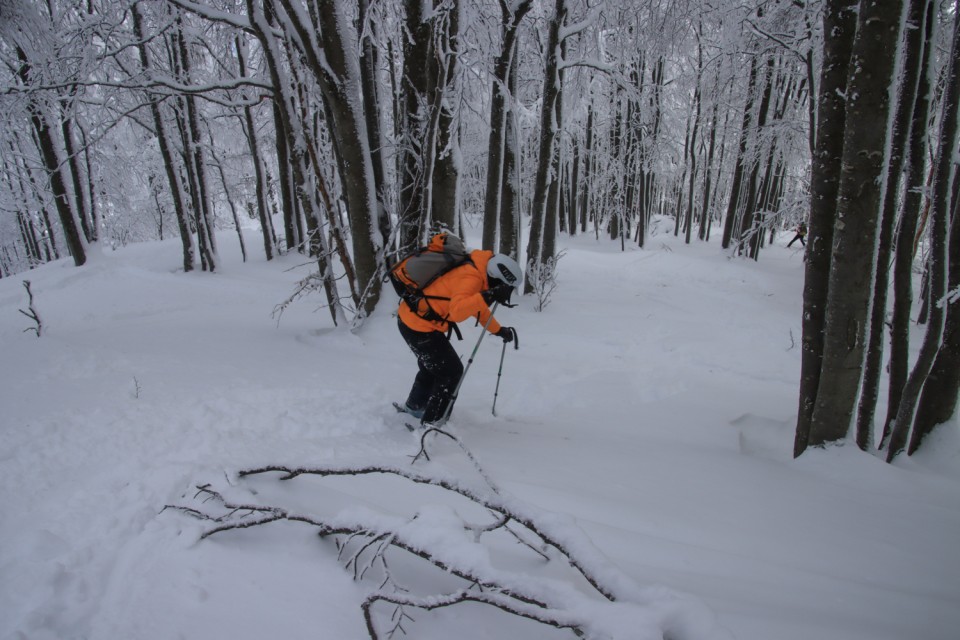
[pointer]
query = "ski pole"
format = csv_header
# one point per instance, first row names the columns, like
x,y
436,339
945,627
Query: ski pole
x,y
503,352
456,390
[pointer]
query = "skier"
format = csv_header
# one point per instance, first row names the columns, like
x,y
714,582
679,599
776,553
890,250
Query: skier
x,y
801,234
462,293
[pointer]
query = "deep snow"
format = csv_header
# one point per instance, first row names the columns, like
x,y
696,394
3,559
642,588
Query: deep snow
x,y
653,403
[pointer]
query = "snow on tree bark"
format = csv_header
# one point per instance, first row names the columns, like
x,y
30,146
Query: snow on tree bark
x,y
853,255
940,211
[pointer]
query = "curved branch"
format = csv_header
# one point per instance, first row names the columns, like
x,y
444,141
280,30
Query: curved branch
x,y
549,617
588,568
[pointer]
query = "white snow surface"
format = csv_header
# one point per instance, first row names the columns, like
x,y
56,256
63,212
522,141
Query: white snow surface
x,y
648,413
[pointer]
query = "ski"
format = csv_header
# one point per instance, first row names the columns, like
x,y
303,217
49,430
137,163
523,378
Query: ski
x,y
402,409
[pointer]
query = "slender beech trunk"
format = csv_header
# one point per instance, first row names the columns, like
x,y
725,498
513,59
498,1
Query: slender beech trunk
x,y
510,18
338,74
510,213
292,228
914,188
707,215
736,185
414,123
292,128
585,208
54,168
940,210
938,400
913,55
194,150
839,27
91,188
693,144
445,174
751,222
29,238
359,187
76,176
548,135
649,184
548,247
853,257
574,193
369,63
260,187
218,165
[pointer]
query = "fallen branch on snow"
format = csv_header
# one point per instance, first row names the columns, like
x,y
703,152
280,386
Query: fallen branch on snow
x,y
619,608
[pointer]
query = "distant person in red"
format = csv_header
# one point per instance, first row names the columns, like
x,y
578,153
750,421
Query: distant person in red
x,y
801,235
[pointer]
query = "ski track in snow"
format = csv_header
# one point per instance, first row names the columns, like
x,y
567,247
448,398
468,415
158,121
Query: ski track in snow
x,y
653,402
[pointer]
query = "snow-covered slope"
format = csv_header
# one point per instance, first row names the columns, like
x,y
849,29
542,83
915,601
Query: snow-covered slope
x,y
652,403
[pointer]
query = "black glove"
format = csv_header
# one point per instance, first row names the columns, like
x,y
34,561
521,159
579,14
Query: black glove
x,y
509,334
499,292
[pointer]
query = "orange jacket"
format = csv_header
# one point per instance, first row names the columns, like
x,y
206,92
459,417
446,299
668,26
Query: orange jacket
x,y
462,286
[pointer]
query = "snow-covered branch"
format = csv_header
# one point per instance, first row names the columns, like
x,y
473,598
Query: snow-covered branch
x,y
438,535
569,30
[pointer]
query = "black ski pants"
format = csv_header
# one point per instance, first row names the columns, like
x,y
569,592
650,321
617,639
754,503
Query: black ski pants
x,y
440,371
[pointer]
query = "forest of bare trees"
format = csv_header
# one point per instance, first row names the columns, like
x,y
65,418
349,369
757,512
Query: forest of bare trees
x,y
345,130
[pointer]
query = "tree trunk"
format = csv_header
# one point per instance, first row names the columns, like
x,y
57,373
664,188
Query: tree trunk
x,y
260,188
913,55
204,213
445,176
510,213
91,189
172,171
342,89
858,210
369,63
839,27
296,144
707,215
76,178
751,225
938,400
736,185
574,192
939,226
585,208
414,124
549,245
54,168
548,133
913,190
693,144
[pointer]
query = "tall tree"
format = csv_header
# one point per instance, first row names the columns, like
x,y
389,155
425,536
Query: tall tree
x,y
260,187
511,14
334,65
914,188
48,145
166,150
537,254
429,135
839,28
912,58
859,198
940,210
372,108
941,390
741,166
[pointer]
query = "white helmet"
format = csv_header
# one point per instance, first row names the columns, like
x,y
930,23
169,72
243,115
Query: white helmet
x,y
505,269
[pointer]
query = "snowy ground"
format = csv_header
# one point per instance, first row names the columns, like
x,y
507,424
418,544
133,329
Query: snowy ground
x,y
653,403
